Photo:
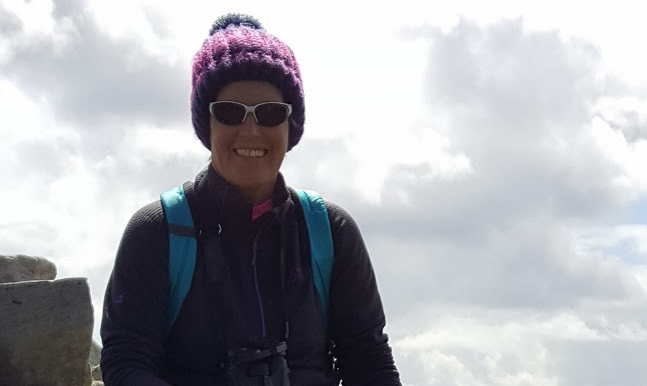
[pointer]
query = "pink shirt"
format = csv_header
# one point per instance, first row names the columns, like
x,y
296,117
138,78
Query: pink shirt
x,y
259,209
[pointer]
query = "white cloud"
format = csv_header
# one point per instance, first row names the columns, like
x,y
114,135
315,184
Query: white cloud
x,y
630,156
494,166
641,275
36,21
515,348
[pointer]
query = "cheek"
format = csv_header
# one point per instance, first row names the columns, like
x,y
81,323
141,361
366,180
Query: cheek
x,y
218,139
286,136
212,135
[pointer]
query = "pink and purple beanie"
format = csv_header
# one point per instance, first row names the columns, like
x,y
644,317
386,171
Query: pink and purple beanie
x,y
239,48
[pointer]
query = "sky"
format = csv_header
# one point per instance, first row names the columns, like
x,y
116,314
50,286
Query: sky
x,y
492,153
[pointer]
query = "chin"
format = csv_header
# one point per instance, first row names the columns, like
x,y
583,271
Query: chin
x,y
253,182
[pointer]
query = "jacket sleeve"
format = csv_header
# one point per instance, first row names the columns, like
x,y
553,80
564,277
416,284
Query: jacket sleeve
x,y
356,316
135,304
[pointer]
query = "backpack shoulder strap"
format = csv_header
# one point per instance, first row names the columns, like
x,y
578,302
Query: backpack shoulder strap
x,y
321,244
182,249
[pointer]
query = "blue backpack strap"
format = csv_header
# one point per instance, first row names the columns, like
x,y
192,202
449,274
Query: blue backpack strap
x,y
182,249
321,245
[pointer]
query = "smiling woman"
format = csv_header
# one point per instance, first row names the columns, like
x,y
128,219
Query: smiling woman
x,y
246,153
253,283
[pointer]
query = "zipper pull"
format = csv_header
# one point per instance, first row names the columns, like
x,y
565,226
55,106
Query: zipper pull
x,y
212,250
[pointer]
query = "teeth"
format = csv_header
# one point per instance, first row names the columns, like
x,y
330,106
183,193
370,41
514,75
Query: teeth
x,y
251,152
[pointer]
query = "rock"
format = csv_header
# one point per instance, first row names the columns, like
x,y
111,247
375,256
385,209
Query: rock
x,y
45,333
95,362
23,268
95,373
95,354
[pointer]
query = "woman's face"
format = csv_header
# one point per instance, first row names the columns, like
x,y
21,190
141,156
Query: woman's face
x,y
247,155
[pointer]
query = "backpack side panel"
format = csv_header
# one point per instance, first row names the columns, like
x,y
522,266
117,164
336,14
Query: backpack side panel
x,y
182,249
321,244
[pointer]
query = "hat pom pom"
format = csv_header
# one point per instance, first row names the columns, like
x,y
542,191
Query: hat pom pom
x,y
235,19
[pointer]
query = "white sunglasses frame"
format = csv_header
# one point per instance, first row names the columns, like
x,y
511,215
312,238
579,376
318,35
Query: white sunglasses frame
x,y
250,109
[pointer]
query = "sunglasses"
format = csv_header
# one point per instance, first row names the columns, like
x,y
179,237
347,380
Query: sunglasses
x,y
234,113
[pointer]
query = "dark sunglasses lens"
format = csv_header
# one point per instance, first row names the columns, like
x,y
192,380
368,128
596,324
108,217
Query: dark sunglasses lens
x,y
271,114
228,113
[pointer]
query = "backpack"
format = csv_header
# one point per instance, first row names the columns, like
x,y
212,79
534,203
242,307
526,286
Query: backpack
x,y
183,246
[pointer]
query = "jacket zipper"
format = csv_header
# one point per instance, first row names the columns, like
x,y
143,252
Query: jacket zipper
x,y
258,291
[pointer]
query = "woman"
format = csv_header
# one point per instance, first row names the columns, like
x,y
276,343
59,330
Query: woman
x,y
256,294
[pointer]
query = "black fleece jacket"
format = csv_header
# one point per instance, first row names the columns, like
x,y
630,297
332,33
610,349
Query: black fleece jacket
x,y
243,300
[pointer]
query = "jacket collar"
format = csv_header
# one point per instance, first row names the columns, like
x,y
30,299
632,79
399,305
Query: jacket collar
x,y
219,202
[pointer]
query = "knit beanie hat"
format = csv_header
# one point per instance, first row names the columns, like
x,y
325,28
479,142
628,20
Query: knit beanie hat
x,y
238,49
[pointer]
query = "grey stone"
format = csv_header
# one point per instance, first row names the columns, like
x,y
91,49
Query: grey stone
x,y
23,268
95,353
95,372
45,333
95,361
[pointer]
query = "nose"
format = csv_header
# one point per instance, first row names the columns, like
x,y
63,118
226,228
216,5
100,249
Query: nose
x,y
249,125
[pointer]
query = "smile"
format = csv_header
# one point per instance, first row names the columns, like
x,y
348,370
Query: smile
x,y
250,152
